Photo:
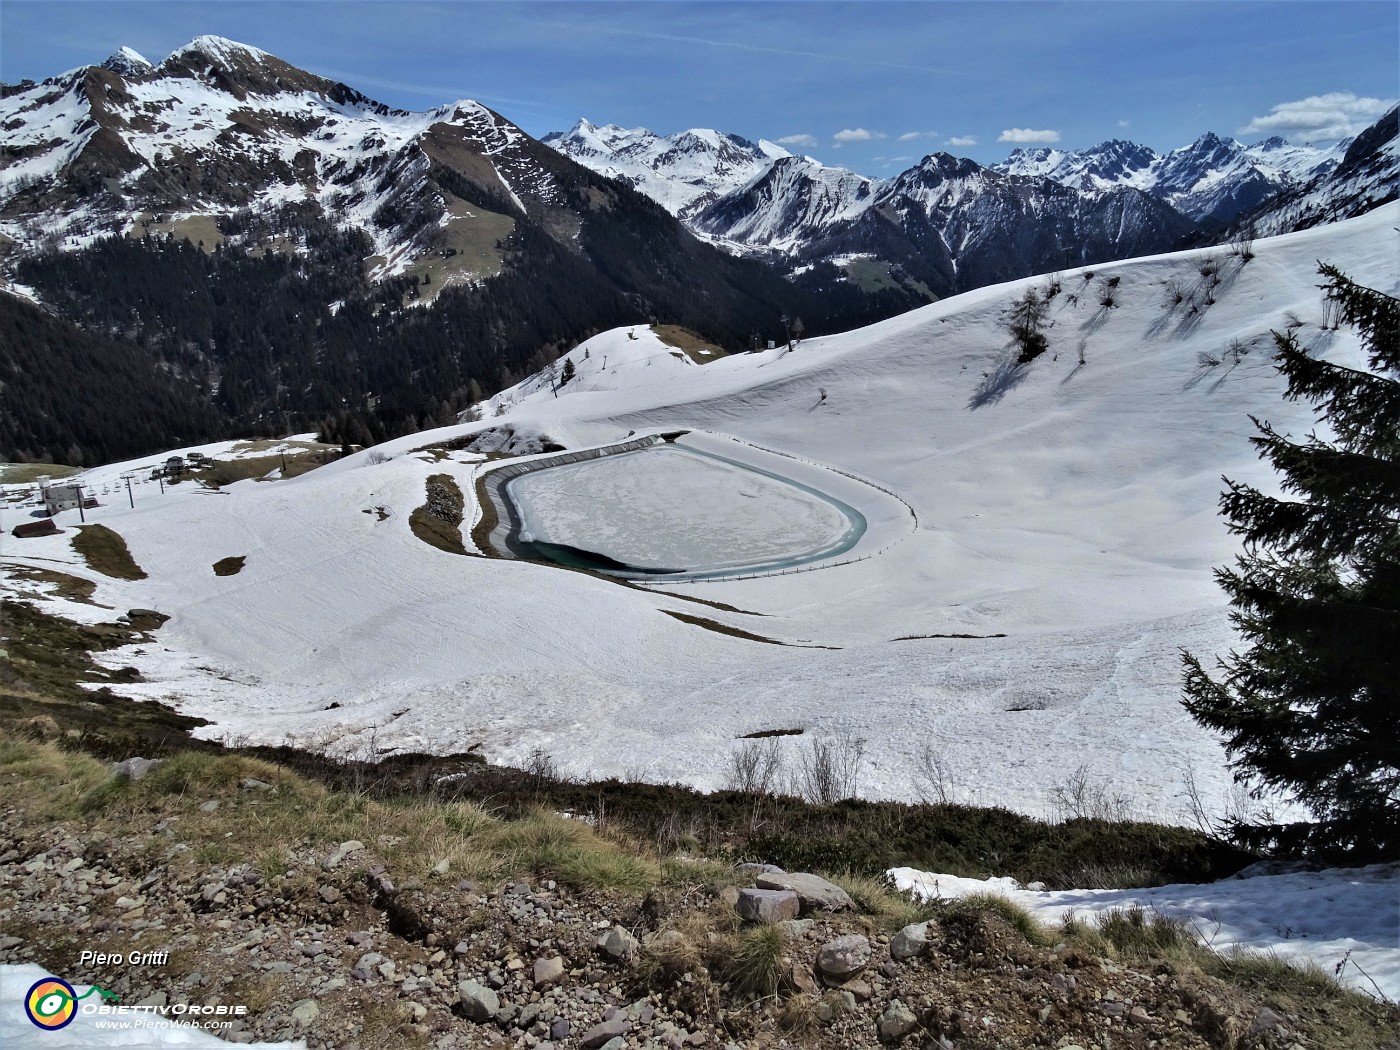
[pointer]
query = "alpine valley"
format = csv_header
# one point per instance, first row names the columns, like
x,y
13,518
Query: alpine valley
x,y
248,247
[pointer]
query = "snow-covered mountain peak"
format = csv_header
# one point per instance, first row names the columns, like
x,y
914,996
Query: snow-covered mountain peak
x,y
128,62
220,50
683,172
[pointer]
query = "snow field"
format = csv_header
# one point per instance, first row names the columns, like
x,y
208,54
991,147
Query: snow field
x,y
1070,508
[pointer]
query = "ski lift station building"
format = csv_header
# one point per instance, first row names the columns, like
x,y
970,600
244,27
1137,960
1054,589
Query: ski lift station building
x,y
61,495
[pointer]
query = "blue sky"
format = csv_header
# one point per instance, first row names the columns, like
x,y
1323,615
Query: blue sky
x,y
872,86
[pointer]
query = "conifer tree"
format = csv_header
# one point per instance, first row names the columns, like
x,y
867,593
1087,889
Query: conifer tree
x,y
1311,709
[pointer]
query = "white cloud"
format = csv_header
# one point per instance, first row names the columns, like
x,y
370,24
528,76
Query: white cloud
x,y
1024,135
1124,123
1336,115
912,136
855,135
797,140
962,140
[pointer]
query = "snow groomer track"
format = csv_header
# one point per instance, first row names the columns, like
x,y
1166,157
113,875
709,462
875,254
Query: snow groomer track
x,y
691,506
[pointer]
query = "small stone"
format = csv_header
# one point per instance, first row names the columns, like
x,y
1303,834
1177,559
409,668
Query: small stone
x,y
442,867
250,784
896,1022
479,1003
768,906
560,1029
605,1031
910,942
800,977
844,956
618,944
134,768
305,1012
1063,982
1139,1016
548,972
341,852
210,806
329,894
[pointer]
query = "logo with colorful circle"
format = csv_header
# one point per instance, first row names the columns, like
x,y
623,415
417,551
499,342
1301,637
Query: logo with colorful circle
x,y
51,1003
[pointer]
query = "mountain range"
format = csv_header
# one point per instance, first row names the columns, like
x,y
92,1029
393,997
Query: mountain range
x,y
281,247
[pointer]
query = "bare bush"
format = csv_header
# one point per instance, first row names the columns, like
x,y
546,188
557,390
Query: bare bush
x,y
1209,266
1057,283
1239,808
1292,320
1236,350
377,457
756,768
1173,293
1082,798
1205,359
542,769
1242,243
830,769
934,776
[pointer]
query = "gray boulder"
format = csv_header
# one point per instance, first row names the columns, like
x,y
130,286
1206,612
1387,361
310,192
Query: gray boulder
x,y
617,943
479,1003
844,956
815,893
896,1022
910,942
768,906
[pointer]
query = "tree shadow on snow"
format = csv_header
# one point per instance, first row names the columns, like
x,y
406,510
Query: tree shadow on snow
x,y
996,383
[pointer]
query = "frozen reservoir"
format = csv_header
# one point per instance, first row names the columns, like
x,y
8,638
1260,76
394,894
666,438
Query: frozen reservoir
x,y
675,510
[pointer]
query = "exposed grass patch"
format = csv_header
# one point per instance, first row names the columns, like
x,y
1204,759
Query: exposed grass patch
x,y
106,552
691,344
918,637
202,230
874,275
438,522
61,584
1009,912
735,632
27,473
230,566
218,473
42,684
467,248
885,905
764,734
723,607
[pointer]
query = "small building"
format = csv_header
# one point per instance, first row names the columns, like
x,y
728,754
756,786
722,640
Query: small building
x,y
173,466
61,495
42,527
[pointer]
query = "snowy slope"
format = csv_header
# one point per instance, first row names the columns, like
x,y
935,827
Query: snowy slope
x,y
1066,511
